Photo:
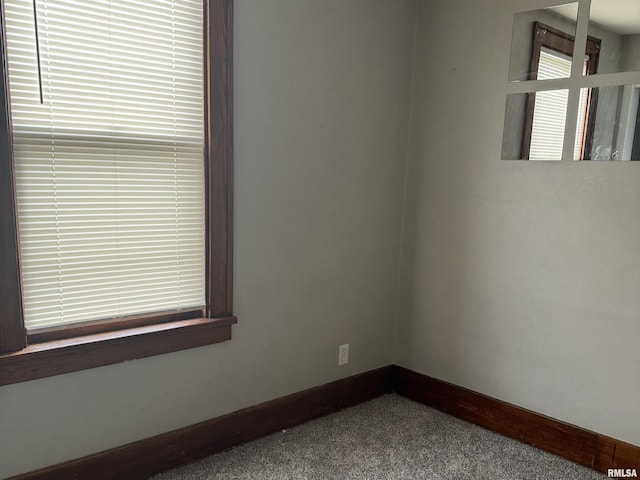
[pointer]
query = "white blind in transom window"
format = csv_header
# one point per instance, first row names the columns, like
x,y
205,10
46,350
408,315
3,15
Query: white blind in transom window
x,y
550,111
108,156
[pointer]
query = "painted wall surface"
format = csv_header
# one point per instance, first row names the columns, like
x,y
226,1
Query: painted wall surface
x,y
518,279
630,60
322,104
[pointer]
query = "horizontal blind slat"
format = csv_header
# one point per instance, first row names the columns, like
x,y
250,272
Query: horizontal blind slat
x,y
109,167
550,110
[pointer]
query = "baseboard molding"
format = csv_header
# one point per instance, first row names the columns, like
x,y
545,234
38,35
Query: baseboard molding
x,y
587,448
140,460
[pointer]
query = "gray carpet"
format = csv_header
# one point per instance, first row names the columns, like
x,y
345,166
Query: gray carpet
x,y
387,438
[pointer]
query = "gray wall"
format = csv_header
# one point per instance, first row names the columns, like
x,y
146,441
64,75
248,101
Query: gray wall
x,y
630,60
518,279
321,101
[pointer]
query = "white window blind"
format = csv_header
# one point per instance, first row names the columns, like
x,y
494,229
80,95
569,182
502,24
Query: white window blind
x,y
550,111
109,167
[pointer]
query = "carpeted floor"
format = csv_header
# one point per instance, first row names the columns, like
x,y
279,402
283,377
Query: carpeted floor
x,y
390,437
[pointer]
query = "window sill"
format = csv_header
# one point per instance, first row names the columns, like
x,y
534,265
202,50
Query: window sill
x,y
56,357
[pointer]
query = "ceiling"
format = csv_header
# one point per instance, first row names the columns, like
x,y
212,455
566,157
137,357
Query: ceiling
x,y
620,16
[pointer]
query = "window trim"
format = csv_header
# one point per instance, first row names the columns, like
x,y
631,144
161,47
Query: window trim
x,y
41,354
559,41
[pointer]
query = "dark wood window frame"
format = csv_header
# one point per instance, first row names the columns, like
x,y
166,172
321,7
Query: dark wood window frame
x,y
545,36
51,352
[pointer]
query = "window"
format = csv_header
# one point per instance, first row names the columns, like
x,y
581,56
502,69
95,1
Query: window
x,y
115,229
545,111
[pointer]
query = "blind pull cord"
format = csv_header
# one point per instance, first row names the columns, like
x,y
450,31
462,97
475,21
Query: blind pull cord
x,y
35,24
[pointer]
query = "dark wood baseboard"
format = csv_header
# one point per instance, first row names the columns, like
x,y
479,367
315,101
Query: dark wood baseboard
x,y
140,460
587,448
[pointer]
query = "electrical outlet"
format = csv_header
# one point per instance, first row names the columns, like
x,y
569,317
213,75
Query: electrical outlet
x,y
343,354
